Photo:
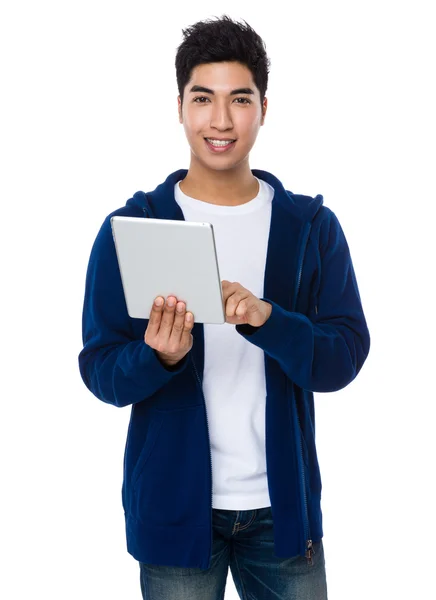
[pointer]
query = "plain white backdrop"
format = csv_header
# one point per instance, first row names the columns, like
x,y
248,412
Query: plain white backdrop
x,y
88,117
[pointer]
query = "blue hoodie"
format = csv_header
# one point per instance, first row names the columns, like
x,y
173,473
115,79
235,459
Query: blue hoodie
x,y
316,340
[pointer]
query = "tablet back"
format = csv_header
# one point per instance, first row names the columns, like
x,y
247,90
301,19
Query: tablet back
x,y
160,257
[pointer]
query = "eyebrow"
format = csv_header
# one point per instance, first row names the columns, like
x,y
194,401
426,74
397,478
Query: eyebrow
x,y
199,88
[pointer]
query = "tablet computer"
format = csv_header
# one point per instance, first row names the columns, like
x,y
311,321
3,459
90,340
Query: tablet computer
x,y
161,257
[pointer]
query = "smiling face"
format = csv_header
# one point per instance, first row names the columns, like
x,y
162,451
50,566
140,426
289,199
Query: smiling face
x,y
221,102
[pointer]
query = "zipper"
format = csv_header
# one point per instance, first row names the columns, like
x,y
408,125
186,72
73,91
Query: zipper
x,y
309,550
301,260
210,453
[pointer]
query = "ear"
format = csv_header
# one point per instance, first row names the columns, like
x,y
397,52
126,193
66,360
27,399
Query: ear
x,y
264,109
179,108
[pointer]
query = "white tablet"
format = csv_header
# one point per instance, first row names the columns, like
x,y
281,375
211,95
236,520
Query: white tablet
x,y
160,257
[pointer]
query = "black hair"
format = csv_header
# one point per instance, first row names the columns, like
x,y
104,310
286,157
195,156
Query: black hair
x,y
222,40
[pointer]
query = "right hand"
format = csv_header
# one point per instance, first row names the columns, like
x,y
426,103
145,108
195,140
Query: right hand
x,y
169,330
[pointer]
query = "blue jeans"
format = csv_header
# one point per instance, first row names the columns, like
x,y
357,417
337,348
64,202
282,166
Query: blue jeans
x,y
244,540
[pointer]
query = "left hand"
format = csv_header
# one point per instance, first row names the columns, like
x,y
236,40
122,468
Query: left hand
x,y
242,307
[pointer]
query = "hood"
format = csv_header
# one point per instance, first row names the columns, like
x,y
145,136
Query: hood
x,y
161,204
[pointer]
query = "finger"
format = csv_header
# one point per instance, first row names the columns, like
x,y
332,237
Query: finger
x,y
167,319
228,288
187,328
155,316
178,325
241,309
234,300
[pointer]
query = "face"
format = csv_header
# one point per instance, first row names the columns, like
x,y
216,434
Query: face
x,y
220,114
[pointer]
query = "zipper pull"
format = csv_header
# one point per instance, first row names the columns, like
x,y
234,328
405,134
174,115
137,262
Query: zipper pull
x,y
309,552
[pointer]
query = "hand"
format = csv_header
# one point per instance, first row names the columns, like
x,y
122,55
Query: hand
x,y
169,330
242,307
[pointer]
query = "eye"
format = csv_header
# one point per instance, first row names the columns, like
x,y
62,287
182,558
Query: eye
x,y
246,101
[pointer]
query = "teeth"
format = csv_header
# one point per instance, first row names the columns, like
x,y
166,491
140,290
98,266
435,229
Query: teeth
x,y
218,142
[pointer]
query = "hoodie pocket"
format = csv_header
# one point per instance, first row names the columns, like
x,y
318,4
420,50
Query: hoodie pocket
x,y
152,435
310,459
171,483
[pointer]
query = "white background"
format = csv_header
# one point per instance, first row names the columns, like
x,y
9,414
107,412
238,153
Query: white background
x,y
88,117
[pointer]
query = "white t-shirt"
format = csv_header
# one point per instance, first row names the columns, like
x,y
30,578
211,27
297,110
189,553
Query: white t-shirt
x,y
234,371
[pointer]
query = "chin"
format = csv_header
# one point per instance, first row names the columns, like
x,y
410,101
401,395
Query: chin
x,y
219,163
223,166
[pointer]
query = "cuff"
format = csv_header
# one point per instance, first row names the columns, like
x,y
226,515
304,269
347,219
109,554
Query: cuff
x,y
275,334
148,365
177,368
250,330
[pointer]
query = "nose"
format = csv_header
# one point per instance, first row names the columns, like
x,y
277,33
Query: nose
x,y
220,117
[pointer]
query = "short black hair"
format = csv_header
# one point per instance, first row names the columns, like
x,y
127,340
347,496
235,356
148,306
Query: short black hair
x,y
222,40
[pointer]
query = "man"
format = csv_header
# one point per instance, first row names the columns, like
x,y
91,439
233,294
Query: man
x,y
220,465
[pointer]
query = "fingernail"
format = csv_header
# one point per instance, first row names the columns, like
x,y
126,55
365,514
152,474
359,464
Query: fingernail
x,y
171,302
158,301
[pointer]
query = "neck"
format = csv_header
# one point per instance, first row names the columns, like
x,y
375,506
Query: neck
x,y
225,187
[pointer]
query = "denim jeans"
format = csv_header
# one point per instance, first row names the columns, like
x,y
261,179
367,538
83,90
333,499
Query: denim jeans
x,y
244,540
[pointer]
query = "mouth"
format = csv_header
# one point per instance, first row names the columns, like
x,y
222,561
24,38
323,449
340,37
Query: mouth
x,y
219,145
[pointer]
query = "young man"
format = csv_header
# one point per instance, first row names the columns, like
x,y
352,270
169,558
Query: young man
x,y
220,465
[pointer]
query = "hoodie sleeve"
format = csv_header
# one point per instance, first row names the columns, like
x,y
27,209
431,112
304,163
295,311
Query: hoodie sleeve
x,y
323,354
115,367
